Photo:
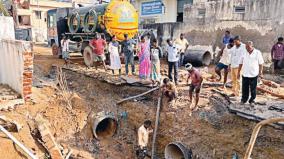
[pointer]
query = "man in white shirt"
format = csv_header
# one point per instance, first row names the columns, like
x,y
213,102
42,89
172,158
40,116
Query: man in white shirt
x,y
65,48
183,43
236,53
173,59
251,65
225,56
143,137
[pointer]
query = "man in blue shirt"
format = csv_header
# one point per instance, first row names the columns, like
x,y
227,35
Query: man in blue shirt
x,y
128,50
227,37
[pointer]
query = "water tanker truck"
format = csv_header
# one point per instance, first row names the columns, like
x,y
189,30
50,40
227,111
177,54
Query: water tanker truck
x,y
117,17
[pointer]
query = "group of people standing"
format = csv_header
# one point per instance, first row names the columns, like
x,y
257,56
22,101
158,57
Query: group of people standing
x,y
149,55
245,64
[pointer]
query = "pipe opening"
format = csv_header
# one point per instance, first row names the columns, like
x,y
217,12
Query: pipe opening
x,y
206,58
177,150
106,128
174,152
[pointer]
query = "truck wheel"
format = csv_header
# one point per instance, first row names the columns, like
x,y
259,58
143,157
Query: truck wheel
x,y
88,56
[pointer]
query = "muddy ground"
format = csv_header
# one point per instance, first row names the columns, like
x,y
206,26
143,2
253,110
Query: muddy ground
x,y
210,131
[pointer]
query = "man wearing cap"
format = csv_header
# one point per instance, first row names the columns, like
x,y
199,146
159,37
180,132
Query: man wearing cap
x,y
183,43
236,53
196,82
251,62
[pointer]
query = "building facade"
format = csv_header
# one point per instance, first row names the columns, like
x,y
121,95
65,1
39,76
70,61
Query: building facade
x,y
160,11
205,21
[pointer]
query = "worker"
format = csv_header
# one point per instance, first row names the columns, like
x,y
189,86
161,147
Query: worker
x,y
277,54
169,89
128,51
143,138
98,44
252,64
196,83
236,53
183,43
225,56
173,51
65,49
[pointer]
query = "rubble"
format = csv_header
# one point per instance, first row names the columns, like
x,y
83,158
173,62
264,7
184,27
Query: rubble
x,y
48,139
9,98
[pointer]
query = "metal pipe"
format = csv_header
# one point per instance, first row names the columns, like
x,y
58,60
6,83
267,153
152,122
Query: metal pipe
x,y
156,127
198,57
255,133
177,150
18,143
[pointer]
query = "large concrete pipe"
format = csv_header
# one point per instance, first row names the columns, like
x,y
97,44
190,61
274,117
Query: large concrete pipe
x,y
104,126
198,57
177,150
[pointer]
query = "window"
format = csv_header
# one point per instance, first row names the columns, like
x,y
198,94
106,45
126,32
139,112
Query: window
x,y
239,9
201,12
38,14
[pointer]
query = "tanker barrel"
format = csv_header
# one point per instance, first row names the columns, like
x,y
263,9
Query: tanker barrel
x,y
198,57
104,126
177,150
85,19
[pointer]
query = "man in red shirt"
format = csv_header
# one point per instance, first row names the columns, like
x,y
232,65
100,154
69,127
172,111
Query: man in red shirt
x,y
98,45
196,82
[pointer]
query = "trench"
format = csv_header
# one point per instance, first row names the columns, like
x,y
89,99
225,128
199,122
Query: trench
x,y
210,132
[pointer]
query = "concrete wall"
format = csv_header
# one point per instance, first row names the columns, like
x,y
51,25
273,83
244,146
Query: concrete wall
x,y
16,66
7,28
169,15
262,22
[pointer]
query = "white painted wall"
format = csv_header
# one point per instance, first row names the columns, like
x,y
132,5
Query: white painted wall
x,y
11,64
7,28
11,57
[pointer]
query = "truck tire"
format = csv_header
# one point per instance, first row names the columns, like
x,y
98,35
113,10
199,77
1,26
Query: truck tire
x,y
88,56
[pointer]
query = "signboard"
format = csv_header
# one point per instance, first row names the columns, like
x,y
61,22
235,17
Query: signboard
x,y
151,8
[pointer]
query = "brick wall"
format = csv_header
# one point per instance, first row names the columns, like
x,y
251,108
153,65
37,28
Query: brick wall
x,y
16,66
27,75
